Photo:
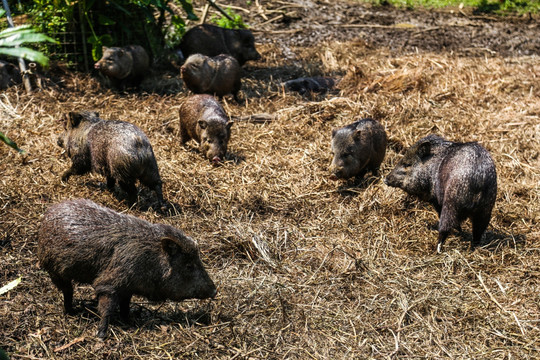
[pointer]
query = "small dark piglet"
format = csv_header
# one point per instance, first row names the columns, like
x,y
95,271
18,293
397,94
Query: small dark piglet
x,y
203,119
219,75
124,66
120,256
357,148
212,40
458,179
116,149
310,85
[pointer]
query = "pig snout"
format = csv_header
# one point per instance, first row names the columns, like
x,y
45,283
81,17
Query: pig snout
x,y
216,160
337,173
97,66
391,180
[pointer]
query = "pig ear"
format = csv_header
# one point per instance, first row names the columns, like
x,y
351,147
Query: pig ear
x,y
357,133
202,124
334,131
173,246
170,246
74,119
424,150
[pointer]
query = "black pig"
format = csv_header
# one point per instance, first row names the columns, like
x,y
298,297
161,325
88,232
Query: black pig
x,y
120,256
357,148
203,119
212,40
458,179
116,149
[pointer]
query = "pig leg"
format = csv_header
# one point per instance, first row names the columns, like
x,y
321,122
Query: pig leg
x,y
67,289
184,137
479,226
124,307
110,183
447,222
79,166
106,305
131,190
236,88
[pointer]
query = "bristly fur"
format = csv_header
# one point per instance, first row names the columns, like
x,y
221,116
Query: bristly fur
x,y
219,75
118,150
357,148
212,40
120,256
203,119
459,179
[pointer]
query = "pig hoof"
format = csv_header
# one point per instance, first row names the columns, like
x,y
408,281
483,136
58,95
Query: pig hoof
x,y
439,248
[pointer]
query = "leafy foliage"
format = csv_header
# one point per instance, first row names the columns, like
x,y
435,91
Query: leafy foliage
x,y
224,22
11,143
11,40
150,23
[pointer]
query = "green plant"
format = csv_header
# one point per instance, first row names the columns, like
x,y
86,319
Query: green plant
x,y
150,23
224,22
11,40
11,143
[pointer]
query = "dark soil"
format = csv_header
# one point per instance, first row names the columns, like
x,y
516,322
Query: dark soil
x,y
309,23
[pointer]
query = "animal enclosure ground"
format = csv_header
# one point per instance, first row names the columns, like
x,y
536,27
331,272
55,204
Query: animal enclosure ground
x,y
305,267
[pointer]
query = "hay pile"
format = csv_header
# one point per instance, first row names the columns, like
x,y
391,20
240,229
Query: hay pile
x,y
305,267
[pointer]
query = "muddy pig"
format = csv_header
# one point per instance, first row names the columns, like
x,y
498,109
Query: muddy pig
x,y
9,75
203,119
357,148
219,75
125,66
116,149
458,179
212,40
120,256
310,85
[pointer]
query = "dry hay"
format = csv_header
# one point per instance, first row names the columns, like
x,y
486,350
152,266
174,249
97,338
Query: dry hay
x,y
306,267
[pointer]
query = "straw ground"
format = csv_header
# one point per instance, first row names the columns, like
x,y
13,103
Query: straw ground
x,y
305,267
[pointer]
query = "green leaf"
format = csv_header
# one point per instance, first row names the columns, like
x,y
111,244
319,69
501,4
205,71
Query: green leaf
x,y
4,289
188,8
26,53
22,38
11,143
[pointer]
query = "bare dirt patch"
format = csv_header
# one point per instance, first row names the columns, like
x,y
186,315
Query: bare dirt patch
x,y
305,267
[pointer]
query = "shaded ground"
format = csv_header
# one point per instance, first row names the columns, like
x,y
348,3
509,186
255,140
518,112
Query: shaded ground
x,y
305,267
309,23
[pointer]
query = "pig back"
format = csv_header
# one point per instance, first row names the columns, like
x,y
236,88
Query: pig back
x,y
467,177
120,149
77,239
